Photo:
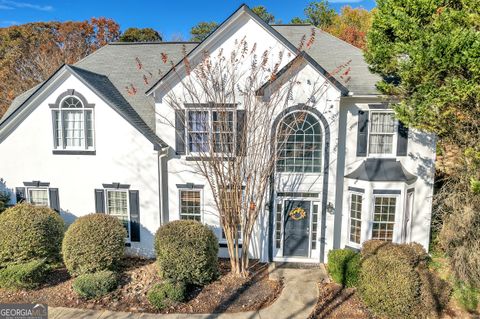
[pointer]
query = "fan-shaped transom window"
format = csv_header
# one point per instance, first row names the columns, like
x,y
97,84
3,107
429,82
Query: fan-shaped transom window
x,y
73,127
299,143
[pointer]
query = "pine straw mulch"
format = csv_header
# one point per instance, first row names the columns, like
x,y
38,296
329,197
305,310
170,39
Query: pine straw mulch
x,y
227,294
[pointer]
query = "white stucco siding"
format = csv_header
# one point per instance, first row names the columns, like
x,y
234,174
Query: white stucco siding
x,y
420,161
123,155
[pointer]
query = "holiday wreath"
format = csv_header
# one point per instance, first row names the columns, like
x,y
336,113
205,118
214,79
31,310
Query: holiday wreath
x,y
297,213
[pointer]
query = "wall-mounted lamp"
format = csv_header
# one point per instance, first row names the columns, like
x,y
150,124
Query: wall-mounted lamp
x,y
330,208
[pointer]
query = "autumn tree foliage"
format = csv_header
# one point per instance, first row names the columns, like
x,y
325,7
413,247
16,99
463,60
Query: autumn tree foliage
x,y
351,24
30,53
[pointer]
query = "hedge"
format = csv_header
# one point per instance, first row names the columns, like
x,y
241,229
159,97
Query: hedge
x,y
344,266
395,282
30,232
187,252
93,243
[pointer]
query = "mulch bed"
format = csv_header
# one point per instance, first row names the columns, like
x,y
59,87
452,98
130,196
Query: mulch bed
x,y
227,294
334,301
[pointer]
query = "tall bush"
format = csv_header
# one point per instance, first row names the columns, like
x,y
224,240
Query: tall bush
x,y
344,266
30,232
395,283
93,243
187,252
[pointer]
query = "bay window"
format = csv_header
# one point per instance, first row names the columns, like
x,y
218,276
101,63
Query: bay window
x,y
384,217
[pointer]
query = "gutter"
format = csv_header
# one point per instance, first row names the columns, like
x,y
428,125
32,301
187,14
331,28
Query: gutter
x,y
162,153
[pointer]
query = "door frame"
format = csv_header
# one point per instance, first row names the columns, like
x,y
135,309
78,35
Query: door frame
x,y
278,253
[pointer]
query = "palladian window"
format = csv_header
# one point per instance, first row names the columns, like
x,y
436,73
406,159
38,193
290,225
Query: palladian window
x,y
73,125
299,144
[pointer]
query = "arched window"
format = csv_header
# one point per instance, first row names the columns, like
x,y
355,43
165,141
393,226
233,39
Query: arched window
x,y
299,143
73,125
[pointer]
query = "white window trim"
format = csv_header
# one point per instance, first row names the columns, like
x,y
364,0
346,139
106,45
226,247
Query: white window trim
x,y
323,148
395,221
394,140
38,188
180,190
62,146
362,212
210,130
128,238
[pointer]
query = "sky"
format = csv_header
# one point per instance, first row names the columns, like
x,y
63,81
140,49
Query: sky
x,y
172,18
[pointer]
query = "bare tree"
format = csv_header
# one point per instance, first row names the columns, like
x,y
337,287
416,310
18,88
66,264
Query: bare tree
x,y
228,118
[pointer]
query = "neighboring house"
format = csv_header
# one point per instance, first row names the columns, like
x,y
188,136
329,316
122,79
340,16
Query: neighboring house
x,y
89,139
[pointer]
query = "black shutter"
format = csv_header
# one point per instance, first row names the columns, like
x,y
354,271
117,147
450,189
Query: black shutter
x,y
54,199
180,132
20,194
362,134
134,216
241,138
402,140
99,201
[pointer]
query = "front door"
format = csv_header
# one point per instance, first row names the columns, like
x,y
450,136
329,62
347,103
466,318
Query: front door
x,y
296,228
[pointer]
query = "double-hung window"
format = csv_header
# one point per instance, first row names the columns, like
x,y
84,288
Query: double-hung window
x,y
384,217
191,205
210,130
355,218
73,126
382,133
38,196
117,206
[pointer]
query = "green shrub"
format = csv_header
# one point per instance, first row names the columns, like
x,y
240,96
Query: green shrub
x,y
93,243
466,295
165,294
29,232
395,283
23,276
187,252
344,266
4,199
96,284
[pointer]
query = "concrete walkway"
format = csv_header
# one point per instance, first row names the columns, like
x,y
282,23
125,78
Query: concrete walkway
x,y
297,299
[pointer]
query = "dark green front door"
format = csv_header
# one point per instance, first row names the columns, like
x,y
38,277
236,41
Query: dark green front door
x,y
296,228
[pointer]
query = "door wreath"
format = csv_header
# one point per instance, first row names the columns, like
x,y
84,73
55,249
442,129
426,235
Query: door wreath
x,y
297,213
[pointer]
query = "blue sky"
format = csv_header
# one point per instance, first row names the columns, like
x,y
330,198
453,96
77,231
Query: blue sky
x,y
171,18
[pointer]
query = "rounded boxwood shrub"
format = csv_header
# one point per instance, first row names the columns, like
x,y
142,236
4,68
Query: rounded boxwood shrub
x,y
187,252
166,293
30,232
344,266
23,276
96,284
395,283
93,243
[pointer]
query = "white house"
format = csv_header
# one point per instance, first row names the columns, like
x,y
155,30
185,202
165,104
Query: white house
x,y
92,138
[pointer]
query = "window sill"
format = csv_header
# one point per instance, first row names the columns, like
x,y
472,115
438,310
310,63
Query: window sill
x,y
73,152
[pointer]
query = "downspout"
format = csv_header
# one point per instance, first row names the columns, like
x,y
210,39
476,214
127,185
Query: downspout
x,y
161,155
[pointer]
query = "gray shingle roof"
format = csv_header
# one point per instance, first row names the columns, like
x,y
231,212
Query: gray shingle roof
x,y
137,66
118,61
331,52
104,88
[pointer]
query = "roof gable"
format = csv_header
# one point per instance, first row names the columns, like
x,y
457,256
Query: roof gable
x,y
222,28
99,84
